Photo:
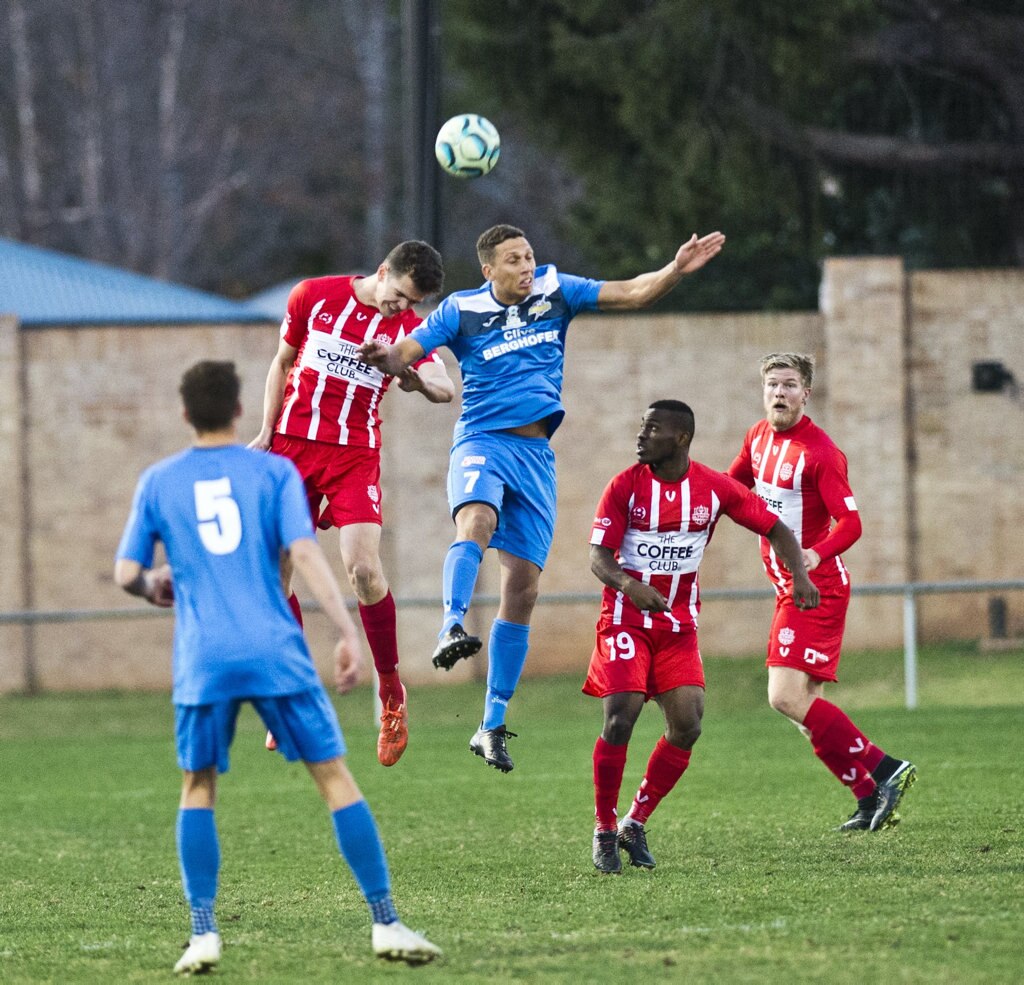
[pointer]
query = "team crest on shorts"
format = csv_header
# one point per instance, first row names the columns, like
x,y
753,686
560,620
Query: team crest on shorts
x,y
786,636
373,493
786,472
700,516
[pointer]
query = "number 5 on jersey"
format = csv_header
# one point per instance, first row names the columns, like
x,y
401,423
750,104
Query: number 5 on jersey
x,y
220,522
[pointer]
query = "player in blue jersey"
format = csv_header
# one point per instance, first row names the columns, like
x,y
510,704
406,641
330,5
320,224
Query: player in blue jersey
x,y
509,338
225,516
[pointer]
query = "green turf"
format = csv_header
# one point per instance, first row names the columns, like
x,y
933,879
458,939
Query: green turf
x,y
752,885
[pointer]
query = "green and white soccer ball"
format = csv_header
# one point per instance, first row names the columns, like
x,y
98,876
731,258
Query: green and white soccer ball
x,y
467,146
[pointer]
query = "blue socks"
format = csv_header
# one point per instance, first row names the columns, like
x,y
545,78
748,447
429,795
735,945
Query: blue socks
x,y
199,856
458,579
506,656
361,847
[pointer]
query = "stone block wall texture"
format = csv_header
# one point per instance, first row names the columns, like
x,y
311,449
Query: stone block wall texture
x,y
936,469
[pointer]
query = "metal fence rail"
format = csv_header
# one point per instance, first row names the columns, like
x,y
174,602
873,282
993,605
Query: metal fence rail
x,y
908,590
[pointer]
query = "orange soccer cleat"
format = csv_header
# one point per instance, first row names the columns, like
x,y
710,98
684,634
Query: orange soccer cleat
x,y
394,732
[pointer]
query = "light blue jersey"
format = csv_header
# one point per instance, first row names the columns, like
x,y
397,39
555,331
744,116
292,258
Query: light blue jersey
x,y
511,356
224,514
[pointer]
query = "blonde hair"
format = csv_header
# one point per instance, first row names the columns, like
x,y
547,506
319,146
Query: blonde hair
x,y
801,362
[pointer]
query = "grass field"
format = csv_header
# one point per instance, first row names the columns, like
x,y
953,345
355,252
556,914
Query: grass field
x,y
752,883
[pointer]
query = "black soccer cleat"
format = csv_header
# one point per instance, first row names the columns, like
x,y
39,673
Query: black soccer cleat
x,y
860,819
454,646
606,852
633,841
489,744
890,793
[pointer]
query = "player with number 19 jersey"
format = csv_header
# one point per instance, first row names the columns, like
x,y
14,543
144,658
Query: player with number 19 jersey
x,y
224,515
660,531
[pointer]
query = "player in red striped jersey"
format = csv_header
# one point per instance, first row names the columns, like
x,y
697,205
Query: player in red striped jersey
x,y
653,524
321,410
795,467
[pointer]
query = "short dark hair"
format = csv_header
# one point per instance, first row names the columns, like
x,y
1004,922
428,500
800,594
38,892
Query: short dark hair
x,y
488,241
421,262
681,410
210,392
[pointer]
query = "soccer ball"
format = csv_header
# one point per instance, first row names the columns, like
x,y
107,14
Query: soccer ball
x,y
467,146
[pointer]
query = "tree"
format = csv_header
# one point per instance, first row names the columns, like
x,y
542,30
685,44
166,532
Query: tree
x,y
799,128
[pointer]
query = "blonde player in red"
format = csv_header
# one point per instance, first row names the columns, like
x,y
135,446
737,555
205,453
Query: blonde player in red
x,y
652,526
321,409
795,467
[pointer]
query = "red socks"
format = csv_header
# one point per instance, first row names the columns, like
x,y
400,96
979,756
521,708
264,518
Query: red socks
x,y
380,625
609,764
842,747
666,765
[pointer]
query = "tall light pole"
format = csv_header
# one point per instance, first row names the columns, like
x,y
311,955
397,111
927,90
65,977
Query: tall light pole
x,y
421,108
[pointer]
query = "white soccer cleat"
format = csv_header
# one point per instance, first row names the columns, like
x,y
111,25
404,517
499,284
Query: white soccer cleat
x,y
396,942
202,954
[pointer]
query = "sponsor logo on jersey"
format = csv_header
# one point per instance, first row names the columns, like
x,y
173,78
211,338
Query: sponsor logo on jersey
x,y
516,336
786,635
474,460
360,316
814,657
603,521
538,308
699,516
786,472
671,495
373,493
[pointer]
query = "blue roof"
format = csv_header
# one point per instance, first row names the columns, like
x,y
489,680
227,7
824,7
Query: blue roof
x,y
43,287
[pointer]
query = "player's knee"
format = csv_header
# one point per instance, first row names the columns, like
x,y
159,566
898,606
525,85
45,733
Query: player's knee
x,y
367,579
783,703
683,735
618,728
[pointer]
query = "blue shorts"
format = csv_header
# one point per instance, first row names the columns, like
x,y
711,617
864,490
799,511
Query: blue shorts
x,y
305,726
516,476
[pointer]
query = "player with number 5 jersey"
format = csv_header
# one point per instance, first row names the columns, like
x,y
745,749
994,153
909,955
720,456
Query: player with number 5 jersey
x,y
226,516
653,524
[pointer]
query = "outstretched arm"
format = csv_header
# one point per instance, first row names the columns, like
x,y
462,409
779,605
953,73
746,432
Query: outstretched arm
x,y
431,379
785,544
309,561
643,290
391,359
609,571
273,393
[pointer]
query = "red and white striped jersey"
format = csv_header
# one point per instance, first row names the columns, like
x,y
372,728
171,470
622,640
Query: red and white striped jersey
x,y
659,531
330,394
802,477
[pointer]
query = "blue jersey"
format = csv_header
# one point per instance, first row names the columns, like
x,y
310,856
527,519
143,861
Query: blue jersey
x,y
511,356
224,514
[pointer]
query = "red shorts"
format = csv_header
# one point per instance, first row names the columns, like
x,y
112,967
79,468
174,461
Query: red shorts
x,y
349,479
651,661
809,639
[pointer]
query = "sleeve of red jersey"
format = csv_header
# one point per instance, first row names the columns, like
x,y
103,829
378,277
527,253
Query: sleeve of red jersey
x,y
741,469
836,495
612,514
742,506
295,324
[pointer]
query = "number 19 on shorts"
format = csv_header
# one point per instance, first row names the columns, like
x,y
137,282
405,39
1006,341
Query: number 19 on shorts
x,y
620,647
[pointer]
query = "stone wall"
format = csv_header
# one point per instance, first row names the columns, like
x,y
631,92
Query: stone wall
x,y
937,469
